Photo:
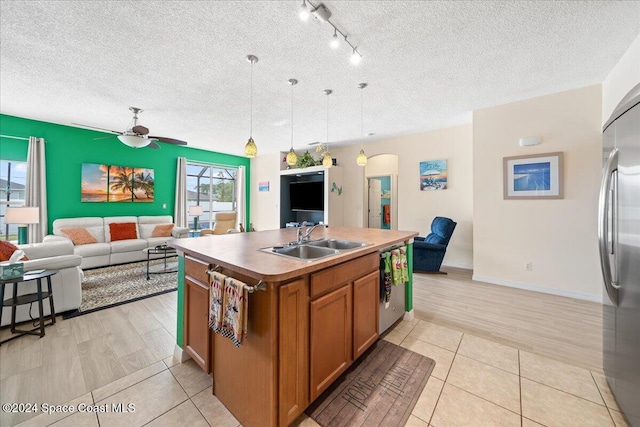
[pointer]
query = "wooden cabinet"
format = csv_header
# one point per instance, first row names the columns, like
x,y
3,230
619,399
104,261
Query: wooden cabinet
x,y
293,348
330,337
366,309
197,338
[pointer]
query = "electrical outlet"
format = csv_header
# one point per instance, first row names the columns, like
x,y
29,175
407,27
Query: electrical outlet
x,y
164,206
528,266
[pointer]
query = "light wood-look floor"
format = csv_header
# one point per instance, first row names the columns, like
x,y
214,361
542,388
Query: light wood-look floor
x,y
561,328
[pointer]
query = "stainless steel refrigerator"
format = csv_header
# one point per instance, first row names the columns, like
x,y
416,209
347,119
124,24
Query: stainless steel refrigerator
x,y
619,242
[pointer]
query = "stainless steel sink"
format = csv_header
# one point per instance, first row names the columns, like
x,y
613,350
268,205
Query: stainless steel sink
x,y
311,251
337,244
303,252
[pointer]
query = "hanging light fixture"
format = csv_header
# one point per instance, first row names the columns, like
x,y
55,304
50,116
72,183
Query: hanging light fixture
x,y
250,149
361,160
356,58
303,13
327,161
335,42
292,158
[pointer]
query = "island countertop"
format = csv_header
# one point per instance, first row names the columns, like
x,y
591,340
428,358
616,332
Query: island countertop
x,y
241,251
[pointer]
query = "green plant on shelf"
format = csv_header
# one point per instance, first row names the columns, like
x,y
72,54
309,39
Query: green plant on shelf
x,y
306,160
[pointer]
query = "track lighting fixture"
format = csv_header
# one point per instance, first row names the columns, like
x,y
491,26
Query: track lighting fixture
x,y
335,43
323,14
303,13
292,157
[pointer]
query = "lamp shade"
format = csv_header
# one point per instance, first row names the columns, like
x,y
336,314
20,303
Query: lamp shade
x,y
361,160
23,215
134,141
250,149
195,210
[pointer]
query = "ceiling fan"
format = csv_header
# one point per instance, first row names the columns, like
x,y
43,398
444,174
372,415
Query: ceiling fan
x,y
137,136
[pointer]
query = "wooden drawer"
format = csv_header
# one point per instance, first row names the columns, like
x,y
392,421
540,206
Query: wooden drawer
x,y
196,268
334,277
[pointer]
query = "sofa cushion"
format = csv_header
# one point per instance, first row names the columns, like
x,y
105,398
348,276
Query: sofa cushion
x,y
162,230
93,249
53,263
119,220
122,231
48,249
130,245
146,224
7,249
95,226
79,235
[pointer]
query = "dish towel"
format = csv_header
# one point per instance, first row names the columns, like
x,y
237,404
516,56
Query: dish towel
x,y
404,264
216,285
396,268
387,277
234,317
386,216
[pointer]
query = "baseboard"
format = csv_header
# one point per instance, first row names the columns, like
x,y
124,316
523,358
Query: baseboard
x,y
458,265
409,315
180,355
542,289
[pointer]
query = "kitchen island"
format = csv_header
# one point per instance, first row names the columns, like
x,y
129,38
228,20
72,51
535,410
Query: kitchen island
x,y
306,325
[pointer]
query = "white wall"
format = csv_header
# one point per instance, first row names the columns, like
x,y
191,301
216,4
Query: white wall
x,y
265,206
624,76
416,209
557,236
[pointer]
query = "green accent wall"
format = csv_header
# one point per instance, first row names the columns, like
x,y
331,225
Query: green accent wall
x,y
68,147
180,320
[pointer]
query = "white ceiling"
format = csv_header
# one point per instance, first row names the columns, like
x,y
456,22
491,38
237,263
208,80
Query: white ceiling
x,y
428,64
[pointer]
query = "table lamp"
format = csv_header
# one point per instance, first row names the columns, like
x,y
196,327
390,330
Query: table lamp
x,y
195,212
22,216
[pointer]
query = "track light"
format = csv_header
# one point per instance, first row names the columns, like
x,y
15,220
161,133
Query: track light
x,y
303,13
323,14
356,58
335,42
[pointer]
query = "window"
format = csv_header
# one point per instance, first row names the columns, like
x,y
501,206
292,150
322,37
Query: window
x,y
211,187
13,180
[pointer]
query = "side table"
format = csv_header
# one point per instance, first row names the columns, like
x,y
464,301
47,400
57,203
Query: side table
x,y
165,252
38,296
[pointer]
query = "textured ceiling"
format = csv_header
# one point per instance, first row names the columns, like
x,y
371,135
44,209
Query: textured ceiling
x,y
428,64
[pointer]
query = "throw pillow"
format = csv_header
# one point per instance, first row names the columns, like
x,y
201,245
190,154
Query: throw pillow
x,y
162,230
78,235
123,231
7,249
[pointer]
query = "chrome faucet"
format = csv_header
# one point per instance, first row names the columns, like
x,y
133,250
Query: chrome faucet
x,y
305,237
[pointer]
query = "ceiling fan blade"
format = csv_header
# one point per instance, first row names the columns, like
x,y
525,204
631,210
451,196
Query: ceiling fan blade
x,y
169,140
153,145
94,127
140,130
105,137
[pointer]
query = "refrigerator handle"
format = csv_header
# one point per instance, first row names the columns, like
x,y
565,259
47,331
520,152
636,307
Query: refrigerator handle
x,y
606,190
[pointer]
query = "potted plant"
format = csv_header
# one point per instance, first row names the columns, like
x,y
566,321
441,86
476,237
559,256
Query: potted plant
x,y
305,161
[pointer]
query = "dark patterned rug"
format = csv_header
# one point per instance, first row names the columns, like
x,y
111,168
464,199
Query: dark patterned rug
x,y
380,389
119,284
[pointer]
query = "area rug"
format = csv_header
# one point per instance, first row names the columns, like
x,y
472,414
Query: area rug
x,y
119,284
380,389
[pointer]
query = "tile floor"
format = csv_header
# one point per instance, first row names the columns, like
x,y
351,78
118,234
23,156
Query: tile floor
x,y
476,382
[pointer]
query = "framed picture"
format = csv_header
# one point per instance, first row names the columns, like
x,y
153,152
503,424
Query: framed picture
x,y
433,175
536,176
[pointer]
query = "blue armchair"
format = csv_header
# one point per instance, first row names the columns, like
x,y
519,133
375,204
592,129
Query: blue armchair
x,y
428,252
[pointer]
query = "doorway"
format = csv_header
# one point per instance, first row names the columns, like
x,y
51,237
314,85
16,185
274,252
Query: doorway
x,y
379,201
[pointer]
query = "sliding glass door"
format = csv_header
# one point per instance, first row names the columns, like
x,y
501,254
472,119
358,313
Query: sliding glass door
x,y
212,187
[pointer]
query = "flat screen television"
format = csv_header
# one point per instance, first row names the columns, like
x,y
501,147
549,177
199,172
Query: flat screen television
x,y
306,196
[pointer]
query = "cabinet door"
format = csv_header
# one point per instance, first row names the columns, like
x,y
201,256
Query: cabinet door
x,y
331,338
293,349
366,309
197,337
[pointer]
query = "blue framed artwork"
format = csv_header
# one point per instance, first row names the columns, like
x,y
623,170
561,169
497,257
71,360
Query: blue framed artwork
x,y
535,176
433,175
263,186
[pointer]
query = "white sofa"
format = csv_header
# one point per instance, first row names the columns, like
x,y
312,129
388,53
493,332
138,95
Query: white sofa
x,y
105,252
66,284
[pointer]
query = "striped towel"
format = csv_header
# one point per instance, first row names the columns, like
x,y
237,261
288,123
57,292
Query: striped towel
x,y
234,318
216,284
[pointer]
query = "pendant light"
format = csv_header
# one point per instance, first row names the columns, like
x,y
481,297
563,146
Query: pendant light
x,y
361,160
292,158
327,161
250,149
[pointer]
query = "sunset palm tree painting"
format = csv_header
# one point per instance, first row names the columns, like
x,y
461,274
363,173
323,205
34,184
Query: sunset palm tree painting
x,y
107,183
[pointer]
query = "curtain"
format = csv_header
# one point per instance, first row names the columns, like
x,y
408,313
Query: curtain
x,y
36,191
180,214
240,198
